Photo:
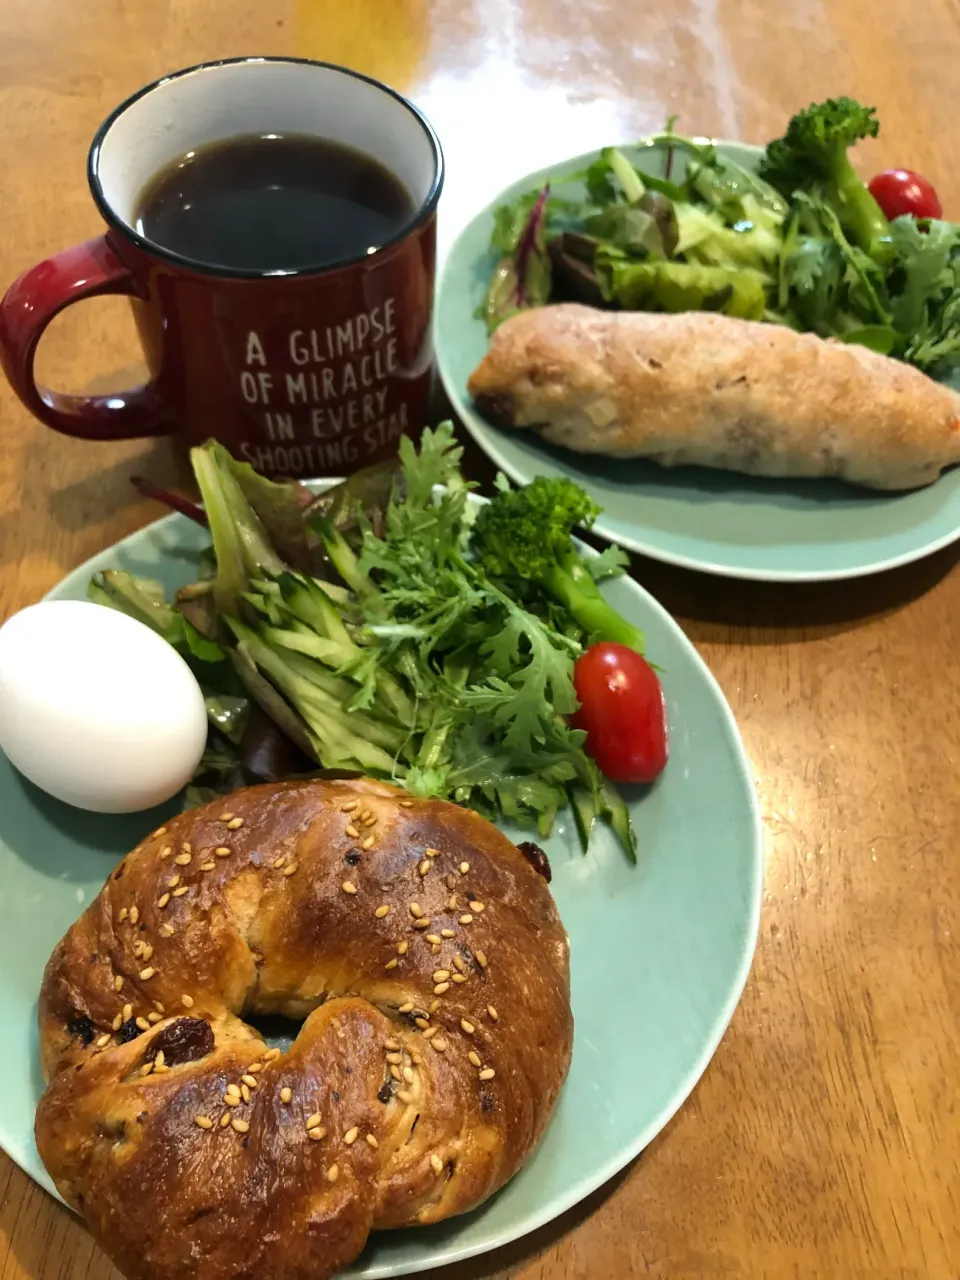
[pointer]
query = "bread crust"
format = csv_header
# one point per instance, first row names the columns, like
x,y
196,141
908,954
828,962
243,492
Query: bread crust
x,y
167,1198
717,392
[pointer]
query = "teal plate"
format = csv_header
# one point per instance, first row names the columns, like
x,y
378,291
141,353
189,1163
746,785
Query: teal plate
x,y
660,951
716,521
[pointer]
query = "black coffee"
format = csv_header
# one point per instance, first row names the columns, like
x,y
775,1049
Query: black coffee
x,y
276,202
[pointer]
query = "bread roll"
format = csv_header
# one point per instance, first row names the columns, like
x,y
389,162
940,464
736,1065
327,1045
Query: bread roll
x,y
718,392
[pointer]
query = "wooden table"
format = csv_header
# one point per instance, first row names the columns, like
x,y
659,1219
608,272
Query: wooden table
x,y
824,1139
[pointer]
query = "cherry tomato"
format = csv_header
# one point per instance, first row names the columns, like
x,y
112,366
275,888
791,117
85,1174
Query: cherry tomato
x,y
900,191
623,712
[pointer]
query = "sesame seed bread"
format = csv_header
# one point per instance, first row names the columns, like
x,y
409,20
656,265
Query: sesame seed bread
x,y
436,1034
714,391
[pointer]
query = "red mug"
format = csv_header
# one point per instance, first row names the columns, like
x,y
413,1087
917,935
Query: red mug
x,y
313,371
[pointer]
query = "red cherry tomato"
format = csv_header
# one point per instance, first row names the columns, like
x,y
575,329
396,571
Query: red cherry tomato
x,y
900,191
623,712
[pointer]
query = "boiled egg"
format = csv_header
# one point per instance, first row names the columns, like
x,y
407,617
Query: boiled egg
x,y
97,709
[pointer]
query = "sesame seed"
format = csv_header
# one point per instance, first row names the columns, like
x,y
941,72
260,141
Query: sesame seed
x,y
433,939
371,1141
167,930
249,1080
187,847
352,832
290,868
278,862
186,1001
424,867
395,1058
207,866
422,1023
134,914
233,1090
160,831
450,882
183,859
239,1125
245,1092
178,893
466,919
286,1094
122,914
474,1059
159,1007
351,1136
271,1054
173,882
402,947
468,1027
370,820
138,947
459,978
441,975
160,1059
317,1135
441,988
147,951
464,868
163,900
314,1120
436,1163
224,1119
476,906
166,851
429,1031
404,1096
494,1016
452,903
103,1041
118,983
146,1069
368,843
487,1074
481,959
406,1008
406,804
225,817
350,806
222,851
422,923
153,1017
233,1099
146,974
203,1122
408,1075
416,910
254,1067
447,933
382,911
127,1012
434,1006
458,963
392,964
391,1044
349,887
333,1173
116,1023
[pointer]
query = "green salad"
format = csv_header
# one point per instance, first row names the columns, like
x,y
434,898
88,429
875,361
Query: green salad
x,y
393,628
801,242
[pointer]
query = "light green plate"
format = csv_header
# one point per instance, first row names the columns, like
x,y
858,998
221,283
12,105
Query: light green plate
x,y
660,951
720,522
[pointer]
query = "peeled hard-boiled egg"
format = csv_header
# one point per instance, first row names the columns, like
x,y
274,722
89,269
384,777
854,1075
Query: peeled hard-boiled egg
x,y
96,708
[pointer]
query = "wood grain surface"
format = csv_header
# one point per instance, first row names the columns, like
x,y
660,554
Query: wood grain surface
x,y
824,1138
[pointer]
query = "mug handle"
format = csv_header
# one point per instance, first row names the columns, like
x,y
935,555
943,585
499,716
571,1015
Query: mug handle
x,y
86,271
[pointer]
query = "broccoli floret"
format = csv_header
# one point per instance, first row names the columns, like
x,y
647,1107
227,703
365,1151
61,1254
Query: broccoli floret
x,y
812,156
524,536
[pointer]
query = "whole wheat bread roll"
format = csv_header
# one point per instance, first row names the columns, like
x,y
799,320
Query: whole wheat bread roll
x,y
718,392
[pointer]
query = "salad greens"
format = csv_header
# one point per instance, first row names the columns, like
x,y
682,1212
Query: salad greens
x,y
392,627
801,242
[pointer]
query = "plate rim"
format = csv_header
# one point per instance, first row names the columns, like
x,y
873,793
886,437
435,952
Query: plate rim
x,y
484,433
754,862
